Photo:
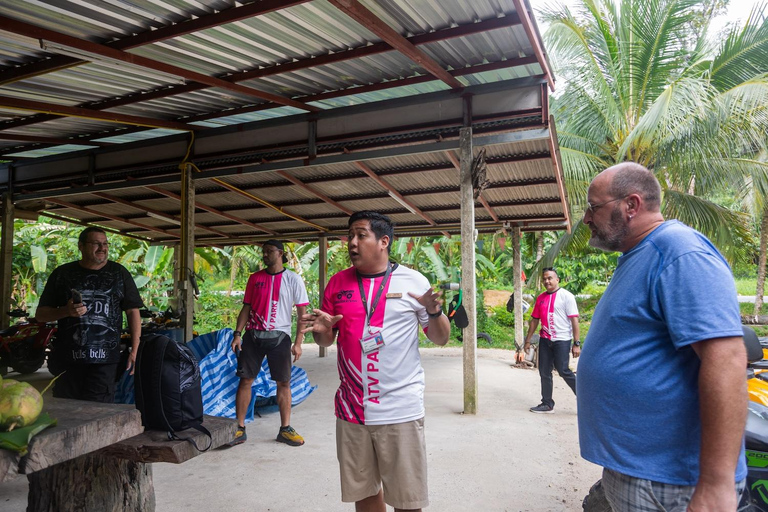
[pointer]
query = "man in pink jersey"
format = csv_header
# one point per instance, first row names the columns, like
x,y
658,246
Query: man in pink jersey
x,y
374,310
556,310
270,296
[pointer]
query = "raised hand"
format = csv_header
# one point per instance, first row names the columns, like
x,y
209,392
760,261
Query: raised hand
x,y
319,322
431,300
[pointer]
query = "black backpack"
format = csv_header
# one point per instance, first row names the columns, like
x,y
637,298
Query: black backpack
x,y
168,387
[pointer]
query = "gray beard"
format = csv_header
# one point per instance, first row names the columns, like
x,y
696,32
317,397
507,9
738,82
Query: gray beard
x,y
612,238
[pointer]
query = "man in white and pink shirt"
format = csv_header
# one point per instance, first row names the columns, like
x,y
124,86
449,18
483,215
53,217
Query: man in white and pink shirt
x,y
374,310
556,310
269,298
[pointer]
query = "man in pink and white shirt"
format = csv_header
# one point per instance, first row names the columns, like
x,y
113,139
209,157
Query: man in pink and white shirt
x,y
374,310
556,310
269,298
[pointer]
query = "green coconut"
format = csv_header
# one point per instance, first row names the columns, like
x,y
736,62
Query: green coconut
x,y
20,405
6,383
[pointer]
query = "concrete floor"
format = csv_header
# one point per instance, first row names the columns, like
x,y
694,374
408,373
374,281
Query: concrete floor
x,y
502,459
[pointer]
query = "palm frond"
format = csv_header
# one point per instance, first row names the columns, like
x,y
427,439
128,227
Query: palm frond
x,y
728,230
744,52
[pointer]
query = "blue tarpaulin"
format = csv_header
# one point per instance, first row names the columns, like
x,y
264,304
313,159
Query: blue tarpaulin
x,y
217,366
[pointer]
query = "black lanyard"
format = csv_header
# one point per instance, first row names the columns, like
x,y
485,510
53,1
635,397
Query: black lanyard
x,y
369,314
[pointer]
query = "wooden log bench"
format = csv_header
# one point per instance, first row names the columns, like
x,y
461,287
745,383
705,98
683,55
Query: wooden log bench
x,y
98,458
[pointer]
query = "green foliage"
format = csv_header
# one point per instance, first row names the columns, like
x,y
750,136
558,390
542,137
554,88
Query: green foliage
x,y
642,83
214,311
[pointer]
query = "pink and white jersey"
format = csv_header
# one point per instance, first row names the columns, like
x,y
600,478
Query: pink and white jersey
x,y
555,310
272,297
387,385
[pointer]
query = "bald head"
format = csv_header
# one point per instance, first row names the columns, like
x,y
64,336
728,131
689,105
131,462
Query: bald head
x,y
630,178
623,207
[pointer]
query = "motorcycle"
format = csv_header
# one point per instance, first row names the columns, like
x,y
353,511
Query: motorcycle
x,y
755,495
24,345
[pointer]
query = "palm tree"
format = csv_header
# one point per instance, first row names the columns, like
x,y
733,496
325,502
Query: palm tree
x,y
643,83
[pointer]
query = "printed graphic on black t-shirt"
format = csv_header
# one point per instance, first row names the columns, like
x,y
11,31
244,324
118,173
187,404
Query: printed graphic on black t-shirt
x,y
107,292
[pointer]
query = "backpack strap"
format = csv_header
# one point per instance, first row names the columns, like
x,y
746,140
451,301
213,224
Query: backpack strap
x,y
200,428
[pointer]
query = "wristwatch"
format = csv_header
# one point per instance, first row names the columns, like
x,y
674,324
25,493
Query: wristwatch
x,y
237,333
435,315
576,343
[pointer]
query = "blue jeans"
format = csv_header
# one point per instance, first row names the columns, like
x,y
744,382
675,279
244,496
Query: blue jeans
x,y
554,354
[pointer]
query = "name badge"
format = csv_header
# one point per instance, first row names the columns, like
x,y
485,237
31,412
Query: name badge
x,y
394,296
372,342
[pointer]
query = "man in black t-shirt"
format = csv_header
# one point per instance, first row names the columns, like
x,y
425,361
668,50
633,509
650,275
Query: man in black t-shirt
x,y
87,299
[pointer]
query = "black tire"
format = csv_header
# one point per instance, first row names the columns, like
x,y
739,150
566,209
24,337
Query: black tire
x,y
27,367
596,501
25,358
485,336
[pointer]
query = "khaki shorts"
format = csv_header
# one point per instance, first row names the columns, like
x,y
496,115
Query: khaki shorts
x,y
394,456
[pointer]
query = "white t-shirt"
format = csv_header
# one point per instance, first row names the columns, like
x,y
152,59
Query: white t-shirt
x,y
554,311
385,386
272,297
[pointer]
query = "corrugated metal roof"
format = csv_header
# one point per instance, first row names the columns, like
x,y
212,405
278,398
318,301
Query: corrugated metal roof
x,y
308,52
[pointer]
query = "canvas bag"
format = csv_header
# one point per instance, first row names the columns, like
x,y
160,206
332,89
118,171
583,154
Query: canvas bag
x,y
168,387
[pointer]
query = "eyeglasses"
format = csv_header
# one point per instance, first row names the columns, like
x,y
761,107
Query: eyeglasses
x,y
99,244
592,208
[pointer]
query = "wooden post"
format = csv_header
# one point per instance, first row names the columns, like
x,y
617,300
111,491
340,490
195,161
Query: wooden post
x,y
517,270
322,277
468,284
6,259
187,251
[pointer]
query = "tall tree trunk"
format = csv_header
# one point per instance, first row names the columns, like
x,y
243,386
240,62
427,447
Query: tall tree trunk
x,y
761,262
539,245
233,268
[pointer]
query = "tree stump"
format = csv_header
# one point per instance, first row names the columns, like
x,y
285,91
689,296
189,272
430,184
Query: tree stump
x,y
92,482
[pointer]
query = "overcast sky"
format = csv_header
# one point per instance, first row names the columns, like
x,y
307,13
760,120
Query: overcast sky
x,y
738,11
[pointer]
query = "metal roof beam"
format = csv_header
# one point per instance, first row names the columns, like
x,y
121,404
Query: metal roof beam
x,y
367,19
538,49
100,50
158,213
210,209
49,140
360,89
394,194
314,192
115,218
266,204
372,49
517,136
189,26
111,117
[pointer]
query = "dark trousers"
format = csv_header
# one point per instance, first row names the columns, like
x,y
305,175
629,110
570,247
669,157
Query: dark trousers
x,y
554,354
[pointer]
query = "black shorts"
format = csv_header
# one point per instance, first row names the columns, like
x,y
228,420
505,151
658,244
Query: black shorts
x,y
276,348
91,382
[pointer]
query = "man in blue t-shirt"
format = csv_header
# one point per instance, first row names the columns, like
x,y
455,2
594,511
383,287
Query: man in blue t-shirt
x,y
662,396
